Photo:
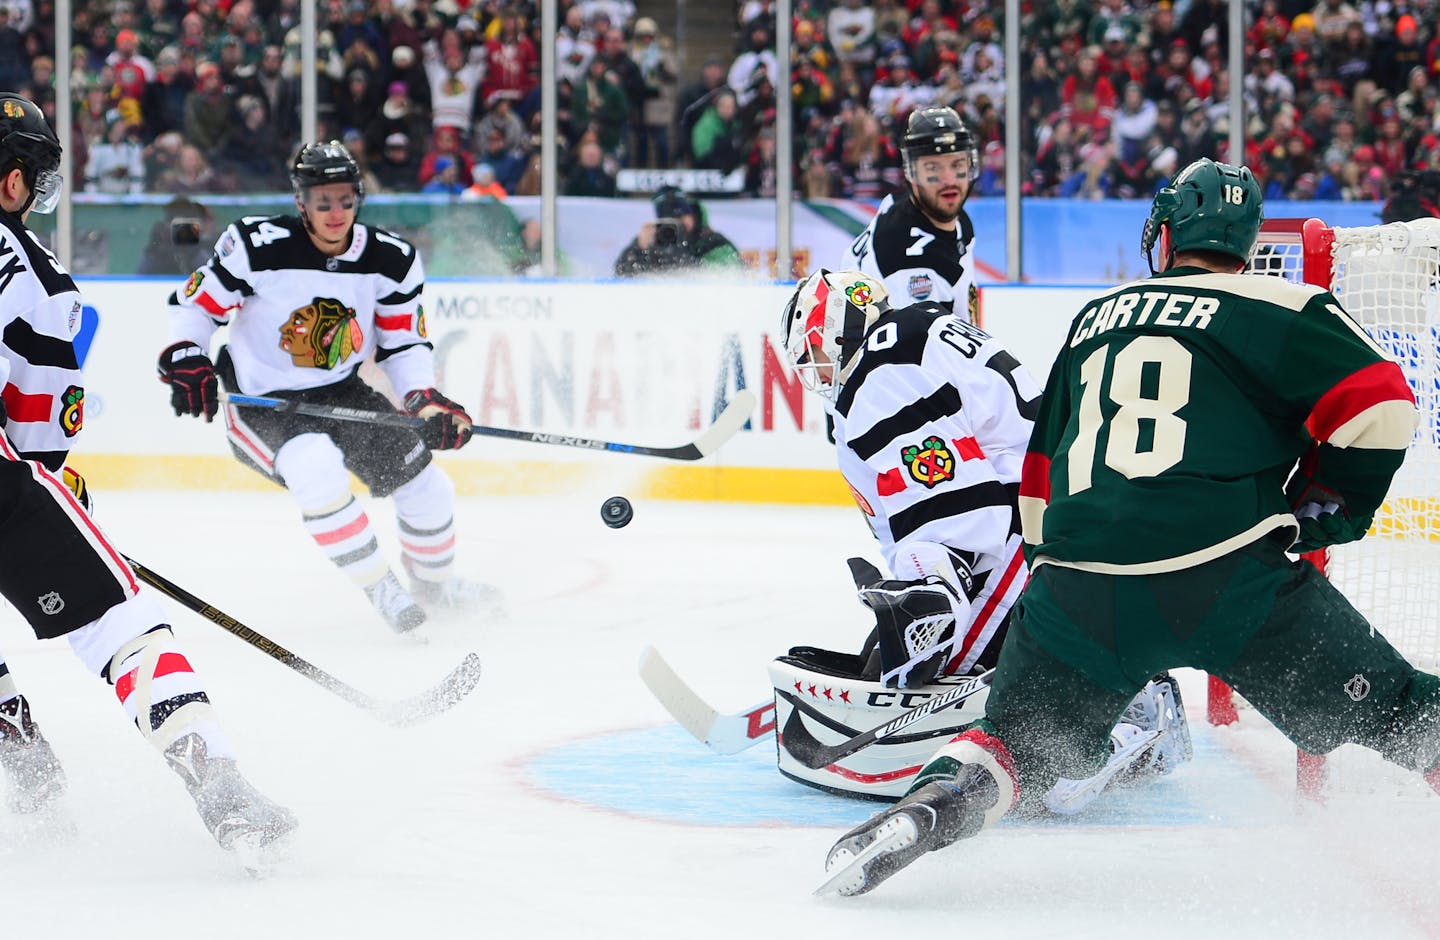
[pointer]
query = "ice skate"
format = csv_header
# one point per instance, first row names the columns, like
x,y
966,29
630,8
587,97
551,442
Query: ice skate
x,y
395,604
927,819
1159,707
241,819
456,594
34,774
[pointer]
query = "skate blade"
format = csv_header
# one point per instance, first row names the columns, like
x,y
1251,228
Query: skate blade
x,y
892,835
259,858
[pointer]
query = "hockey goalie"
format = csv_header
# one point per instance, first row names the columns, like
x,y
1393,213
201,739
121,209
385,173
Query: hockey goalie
x,y
932,417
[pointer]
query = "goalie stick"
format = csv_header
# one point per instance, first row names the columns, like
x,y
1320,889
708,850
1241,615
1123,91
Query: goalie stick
x,y
723,734
438,698
726,425
803,746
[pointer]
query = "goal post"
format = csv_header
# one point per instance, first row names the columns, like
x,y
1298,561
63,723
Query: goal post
x,y
1387,277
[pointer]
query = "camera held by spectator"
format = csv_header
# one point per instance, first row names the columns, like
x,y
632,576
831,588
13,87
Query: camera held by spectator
x,y
677,239
181,241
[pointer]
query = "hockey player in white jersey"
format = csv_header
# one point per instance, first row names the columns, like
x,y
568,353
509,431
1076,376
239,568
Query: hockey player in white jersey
x,y
58,569
921,243
932,419
308,298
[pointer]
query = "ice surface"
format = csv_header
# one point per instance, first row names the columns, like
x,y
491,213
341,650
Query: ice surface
x,y
559,801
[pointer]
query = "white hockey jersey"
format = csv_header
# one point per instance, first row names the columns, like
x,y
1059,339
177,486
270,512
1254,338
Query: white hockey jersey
x,y
39,372
931,430
300,319
917,261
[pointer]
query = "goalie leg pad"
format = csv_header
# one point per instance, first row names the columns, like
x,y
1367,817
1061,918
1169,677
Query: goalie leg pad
x,y
820,693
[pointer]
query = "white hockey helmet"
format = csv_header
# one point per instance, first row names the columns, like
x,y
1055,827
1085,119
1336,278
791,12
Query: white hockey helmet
x,y
825,323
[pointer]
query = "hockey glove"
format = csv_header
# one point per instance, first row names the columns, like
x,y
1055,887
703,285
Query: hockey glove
x,y
914,629
194,389
1326,524
75,483
447,426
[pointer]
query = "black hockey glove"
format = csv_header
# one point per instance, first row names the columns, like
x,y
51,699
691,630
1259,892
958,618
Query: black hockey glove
x,y
447,426
914,629
76,484
194,389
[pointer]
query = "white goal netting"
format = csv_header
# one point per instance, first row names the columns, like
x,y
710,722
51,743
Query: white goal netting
x,y
1388,278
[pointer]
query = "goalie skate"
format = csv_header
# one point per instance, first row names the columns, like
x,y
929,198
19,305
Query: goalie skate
x,y
35,777
930,818
241,819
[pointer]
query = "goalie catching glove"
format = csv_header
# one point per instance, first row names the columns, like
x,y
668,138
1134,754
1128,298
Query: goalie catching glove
x,y
194,389
447,426
914,628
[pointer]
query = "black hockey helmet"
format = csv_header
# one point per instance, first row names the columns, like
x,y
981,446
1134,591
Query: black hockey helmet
x,y
322,163
937,130
27,143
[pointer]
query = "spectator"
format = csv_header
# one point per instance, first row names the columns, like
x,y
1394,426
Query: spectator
x,y
444,176
191,174
398,168
280,94
695,99
1089,99
1133,124
1332,19
396,114
131,69
599,104
253,157
506,161
163,103
589,176
454,81
14,60
655,61
715,143
1397,55
677,240
760,179
484,185
574,47
511,61
116,165
758,55
209,113
446,147
1350,59
894,98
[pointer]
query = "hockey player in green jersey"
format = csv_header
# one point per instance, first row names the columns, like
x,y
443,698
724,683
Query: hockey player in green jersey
x,y
1196,425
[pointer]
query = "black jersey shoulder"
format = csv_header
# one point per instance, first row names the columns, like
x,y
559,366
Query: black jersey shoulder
x,y
20,252
895,234
386,253
281,243
911,327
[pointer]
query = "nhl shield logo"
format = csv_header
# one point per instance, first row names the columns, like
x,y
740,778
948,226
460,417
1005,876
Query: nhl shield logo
x,y
51,603
1357,688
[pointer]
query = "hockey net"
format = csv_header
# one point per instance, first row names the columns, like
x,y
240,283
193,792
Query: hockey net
x,y
1388,278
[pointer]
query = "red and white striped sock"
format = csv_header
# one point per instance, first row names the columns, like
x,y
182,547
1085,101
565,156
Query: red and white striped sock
x,y
346,537
429,553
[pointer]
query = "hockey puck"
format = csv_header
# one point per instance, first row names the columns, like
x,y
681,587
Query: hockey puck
x,y
617,512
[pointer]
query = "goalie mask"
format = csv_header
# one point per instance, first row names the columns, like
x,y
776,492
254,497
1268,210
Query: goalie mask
x,y
824,326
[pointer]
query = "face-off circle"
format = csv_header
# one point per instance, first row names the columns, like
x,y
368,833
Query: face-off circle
x,y
617,512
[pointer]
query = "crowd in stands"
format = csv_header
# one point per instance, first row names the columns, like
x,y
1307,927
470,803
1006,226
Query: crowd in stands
x,y
442,96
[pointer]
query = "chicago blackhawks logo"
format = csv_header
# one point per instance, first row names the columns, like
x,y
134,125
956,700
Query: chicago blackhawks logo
x,y
193,285
420,321
931,463
72,410
13,110
322,334
860,294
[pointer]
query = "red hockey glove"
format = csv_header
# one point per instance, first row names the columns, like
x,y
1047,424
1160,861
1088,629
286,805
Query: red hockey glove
x,y
194,390
447,426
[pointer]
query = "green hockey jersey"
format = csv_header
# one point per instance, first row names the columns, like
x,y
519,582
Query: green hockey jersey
x,y
1180,405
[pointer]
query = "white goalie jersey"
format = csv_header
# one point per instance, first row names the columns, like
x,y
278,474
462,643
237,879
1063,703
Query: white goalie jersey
x,y
299,319
931,430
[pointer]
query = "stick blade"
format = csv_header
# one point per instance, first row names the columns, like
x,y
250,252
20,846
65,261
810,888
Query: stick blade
x,y
688,709
441,697
727,423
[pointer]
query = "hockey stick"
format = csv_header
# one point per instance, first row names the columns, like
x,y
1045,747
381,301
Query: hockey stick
x,y
727,423
723,734
803,746
449,691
